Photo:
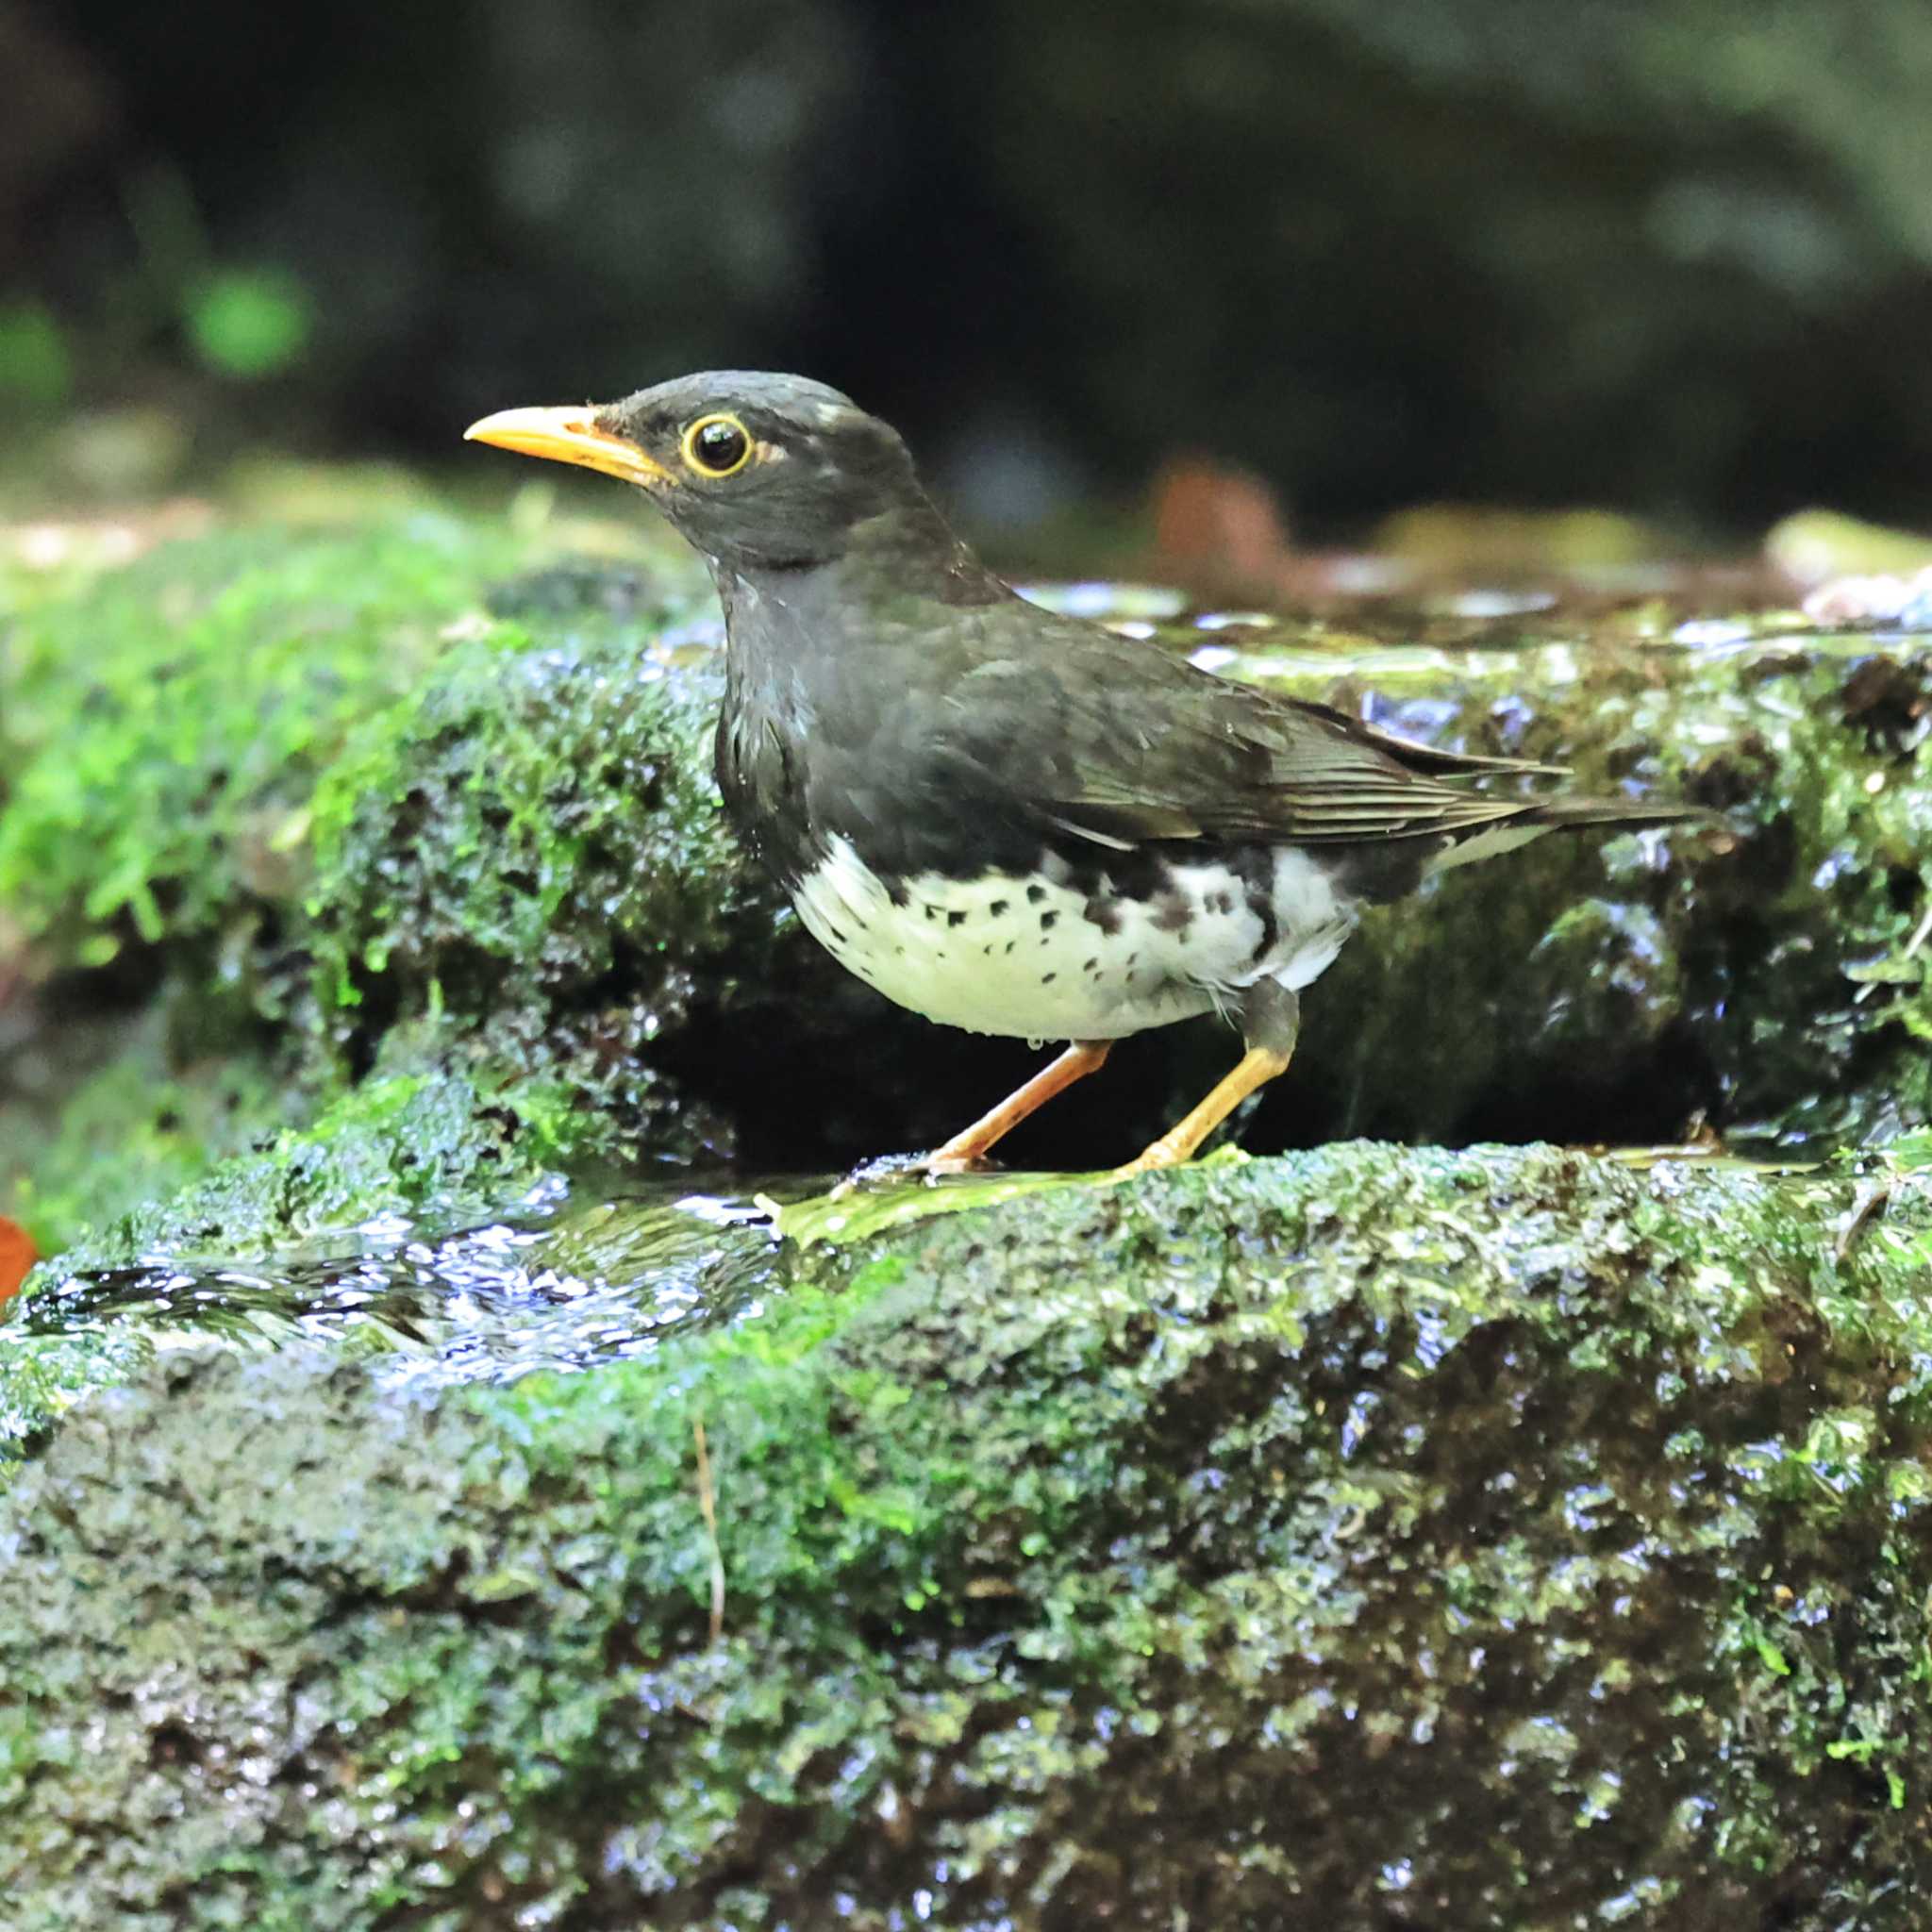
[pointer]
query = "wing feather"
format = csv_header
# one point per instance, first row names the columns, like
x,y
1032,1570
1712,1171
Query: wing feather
x,y
1131,745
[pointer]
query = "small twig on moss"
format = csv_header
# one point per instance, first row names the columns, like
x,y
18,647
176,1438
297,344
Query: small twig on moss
x,y
1871,1202
706,1502
1921,936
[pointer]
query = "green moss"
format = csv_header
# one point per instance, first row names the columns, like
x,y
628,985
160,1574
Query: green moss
x,y
44,1375
1803,940
1267,1537
426,1144
326,812
96,1141
531,847
164,730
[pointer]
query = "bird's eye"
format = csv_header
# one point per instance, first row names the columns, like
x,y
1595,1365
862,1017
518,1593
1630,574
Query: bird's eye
x,y
717,447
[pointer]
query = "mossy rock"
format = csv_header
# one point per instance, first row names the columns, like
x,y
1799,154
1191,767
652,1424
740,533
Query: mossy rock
x,y
430,797
279,805
533,850
1370,1537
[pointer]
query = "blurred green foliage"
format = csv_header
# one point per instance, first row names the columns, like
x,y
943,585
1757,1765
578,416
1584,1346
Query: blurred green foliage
x,y
35,365
249,323
240,320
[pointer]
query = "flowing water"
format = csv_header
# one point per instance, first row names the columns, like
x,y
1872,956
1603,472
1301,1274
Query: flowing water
x,y
555,1282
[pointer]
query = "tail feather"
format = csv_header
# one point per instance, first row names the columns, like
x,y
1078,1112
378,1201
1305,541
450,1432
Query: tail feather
x,y
1413,756
1614,811
1541,815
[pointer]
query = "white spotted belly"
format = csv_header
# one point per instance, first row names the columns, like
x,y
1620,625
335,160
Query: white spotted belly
x,y
1039,960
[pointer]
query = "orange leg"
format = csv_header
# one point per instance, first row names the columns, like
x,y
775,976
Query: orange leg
x,y
968,1147
1257,1066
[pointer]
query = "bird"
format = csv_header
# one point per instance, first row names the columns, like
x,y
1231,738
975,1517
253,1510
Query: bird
x,y
1004,818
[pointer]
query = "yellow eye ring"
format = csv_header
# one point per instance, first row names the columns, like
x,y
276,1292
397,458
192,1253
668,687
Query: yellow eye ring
x,y
716,446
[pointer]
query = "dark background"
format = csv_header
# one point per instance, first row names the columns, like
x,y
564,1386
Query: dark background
x,y
1672,255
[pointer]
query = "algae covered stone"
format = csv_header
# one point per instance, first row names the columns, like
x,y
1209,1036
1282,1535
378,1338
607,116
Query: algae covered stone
x,y
430,795
278,804
532,850
1371,1537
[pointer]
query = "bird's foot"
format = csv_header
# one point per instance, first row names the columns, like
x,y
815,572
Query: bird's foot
x,y
1186,1137
1164,1153
940,1166
896,1170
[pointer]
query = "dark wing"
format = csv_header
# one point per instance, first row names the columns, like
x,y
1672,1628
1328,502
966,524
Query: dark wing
x,y
1126,744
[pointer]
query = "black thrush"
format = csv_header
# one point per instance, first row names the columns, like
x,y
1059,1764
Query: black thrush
x,y
1006,820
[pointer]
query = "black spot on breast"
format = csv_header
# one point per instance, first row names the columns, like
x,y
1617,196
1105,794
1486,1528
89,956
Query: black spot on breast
x,y
1048,921
1010,945
1220,901
1092,966
1035,894
1105,913
999,909
838,936
932,911
1173,913
1048,978
956,919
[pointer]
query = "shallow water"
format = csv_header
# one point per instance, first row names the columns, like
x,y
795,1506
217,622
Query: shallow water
x,y
562,1278
557,1281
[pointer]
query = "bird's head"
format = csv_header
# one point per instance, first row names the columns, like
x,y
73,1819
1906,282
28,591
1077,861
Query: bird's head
x,y
760,472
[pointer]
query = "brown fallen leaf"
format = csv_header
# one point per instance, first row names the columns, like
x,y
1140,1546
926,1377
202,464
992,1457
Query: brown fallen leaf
x,y
1214,519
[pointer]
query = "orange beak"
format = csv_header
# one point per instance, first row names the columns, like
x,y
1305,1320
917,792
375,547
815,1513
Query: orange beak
x,y
569,436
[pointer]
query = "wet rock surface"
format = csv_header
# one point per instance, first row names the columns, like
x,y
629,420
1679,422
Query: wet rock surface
x,y
1767,976
1384,1537
1391,1536
428,799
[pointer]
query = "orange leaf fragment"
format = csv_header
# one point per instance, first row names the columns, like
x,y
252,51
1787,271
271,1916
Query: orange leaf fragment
x,y
17,1255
